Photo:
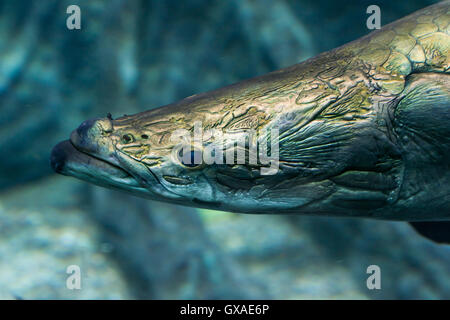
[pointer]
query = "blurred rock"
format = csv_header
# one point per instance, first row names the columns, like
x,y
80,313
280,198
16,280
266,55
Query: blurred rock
x,y
327,258
166,253
41,235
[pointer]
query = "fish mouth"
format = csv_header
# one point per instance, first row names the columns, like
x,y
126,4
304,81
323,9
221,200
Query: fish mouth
x,y
86,157
67,159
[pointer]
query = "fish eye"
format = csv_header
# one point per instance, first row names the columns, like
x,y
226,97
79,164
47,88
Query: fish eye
x,y
127,138
144,136
192,159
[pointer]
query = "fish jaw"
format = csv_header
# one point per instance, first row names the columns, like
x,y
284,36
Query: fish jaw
x,y
67,160
92,154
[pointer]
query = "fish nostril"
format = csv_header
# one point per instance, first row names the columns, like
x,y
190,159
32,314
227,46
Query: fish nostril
x,y
127,138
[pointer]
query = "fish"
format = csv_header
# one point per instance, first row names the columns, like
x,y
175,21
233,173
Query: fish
x,y
362,131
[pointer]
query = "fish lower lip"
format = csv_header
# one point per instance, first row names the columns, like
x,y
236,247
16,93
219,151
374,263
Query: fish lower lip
x,y
124,177
68,160
101,160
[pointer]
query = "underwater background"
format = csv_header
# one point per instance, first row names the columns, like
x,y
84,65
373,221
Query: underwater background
x,y
131,56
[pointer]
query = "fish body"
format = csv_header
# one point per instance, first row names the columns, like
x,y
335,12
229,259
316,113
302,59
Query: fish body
x,y
361,131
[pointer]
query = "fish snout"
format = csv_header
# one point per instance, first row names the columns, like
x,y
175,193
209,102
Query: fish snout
x,y
88,135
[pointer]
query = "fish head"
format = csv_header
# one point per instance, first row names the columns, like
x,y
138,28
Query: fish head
x,y
183,158
250,157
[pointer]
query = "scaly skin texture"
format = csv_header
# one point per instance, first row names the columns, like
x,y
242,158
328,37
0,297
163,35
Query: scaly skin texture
x,y
353,134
